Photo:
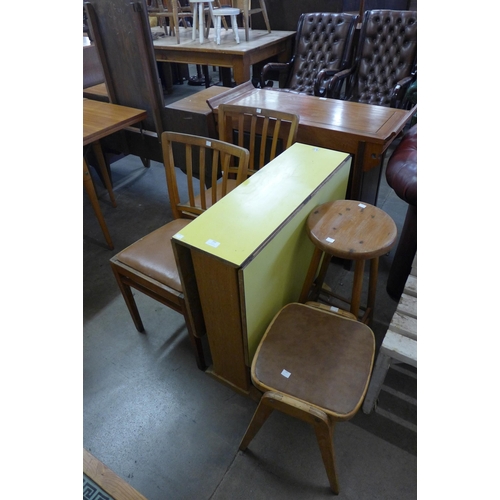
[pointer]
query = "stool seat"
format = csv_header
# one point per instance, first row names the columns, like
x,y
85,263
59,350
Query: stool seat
x,y
219,14
352,230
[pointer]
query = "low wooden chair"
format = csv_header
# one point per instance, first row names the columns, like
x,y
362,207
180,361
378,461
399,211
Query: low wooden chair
x,y
149,265
313,365
247,126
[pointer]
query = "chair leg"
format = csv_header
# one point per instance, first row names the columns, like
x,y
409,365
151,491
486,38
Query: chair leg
x,y
323,428
264,13
322,424
129,300
260,416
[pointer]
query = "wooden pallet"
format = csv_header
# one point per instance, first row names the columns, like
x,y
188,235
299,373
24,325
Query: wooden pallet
x,y
400,341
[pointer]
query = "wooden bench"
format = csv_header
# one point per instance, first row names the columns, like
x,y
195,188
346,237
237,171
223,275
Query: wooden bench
x,y
400,341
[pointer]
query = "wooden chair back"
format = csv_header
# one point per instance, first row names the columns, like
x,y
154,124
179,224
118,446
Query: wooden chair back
x,y
264,132
121,32
227,163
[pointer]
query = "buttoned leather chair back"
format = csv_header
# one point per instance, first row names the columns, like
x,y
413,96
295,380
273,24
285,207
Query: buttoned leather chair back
x,y
324,40
386,58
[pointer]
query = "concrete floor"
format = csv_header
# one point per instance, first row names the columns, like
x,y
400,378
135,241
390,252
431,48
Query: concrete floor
x,y
173,432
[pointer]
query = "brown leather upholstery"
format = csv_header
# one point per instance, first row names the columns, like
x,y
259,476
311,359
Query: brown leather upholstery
x,y
401,175
324,40
329,358
153,255
386,59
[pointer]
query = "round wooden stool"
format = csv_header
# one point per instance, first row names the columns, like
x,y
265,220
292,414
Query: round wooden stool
x,y
351,230
219,14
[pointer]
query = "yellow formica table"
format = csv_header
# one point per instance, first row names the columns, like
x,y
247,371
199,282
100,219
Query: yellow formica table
x,y
247,256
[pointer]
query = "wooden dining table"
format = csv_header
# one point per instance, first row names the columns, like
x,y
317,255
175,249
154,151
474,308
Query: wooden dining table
x,y
101,119
228,54
363,130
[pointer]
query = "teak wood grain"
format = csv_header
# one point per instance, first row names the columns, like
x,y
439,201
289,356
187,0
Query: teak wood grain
x,y
101,119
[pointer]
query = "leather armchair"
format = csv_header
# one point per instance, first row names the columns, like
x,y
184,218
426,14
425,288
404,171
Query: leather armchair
x,y
385,64
324,41
401,175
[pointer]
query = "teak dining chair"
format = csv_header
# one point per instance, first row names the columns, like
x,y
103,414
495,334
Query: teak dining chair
x,y
246,126
149,265
313,365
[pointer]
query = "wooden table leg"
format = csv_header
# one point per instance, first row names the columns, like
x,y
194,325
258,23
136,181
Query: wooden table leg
x,y
89,187
96,146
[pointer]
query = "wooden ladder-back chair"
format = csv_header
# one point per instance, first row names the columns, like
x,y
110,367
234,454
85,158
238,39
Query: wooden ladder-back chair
x,y
248,126
149,265
173,10
324,40
385,64
247,11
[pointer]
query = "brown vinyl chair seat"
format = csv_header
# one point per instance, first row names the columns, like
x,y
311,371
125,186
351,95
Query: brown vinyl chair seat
x,y
313,365
334,364
153,255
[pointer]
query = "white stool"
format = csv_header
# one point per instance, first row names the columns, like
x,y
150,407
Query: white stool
x,y
199,17
219,14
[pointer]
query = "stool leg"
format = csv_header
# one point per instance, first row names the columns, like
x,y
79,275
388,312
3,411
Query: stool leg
x,y
195,18
311,274
201,24
372,289
234,25
357,286
217,29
